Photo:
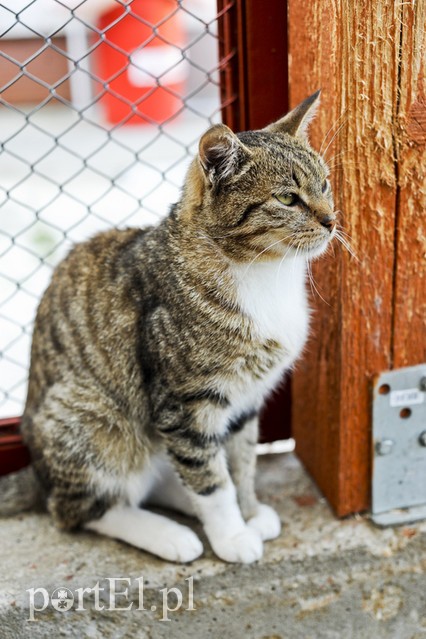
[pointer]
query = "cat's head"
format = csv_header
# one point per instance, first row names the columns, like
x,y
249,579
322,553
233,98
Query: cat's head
x,y
262,190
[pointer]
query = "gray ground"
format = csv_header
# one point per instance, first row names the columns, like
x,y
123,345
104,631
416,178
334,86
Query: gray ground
x,y
322,578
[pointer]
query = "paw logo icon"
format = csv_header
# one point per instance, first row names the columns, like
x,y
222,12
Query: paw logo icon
x,y
62,599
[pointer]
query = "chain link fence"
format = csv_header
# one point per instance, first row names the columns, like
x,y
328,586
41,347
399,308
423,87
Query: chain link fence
x,y
102,103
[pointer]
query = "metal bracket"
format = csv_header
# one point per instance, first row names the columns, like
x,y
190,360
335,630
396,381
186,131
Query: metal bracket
x,y
399,446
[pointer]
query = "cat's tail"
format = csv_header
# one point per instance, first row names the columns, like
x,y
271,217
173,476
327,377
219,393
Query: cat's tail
x,y
19,492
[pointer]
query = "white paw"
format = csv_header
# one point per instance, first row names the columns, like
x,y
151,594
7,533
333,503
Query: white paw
x,y
245,547
182,546
266,522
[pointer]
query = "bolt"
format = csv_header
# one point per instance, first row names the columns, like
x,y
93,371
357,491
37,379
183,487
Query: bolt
x,y
384,447
423,384
422,438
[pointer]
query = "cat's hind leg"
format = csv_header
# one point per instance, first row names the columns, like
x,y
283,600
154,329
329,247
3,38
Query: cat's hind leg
x,y
157,534
149,531
95,470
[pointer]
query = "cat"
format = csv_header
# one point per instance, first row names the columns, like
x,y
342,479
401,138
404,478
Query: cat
x,y
154,349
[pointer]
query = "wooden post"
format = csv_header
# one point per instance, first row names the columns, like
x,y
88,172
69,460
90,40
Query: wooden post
x,y
14,455
409,320
253,62
254,92
368,58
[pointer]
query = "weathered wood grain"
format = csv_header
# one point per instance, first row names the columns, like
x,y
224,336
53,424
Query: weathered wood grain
x,y
352,51
409,325
254,92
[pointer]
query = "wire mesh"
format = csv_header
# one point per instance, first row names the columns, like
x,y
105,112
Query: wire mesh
x,y
101,107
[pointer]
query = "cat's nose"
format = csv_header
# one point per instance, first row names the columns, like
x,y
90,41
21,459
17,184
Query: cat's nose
x,y
328,221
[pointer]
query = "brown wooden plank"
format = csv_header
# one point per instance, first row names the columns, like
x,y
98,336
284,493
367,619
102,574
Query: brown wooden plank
x,y
231,62
409,329
266,100
14,455
350,50
275,421
253,54
254,92
266,69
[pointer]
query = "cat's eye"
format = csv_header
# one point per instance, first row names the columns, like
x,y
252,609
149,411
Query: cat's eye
x,y
324,186
288,200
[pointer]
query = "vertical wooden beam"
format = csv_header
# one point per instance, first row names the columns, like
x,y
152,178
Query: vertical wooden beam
x,y
231,62
253,62
254,92
351,50
14,455
266,55
409,326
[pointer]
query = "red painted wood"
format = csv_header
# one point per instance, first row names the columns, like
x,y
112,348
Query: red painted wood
x,y
13,452
409,322
253,62
254,92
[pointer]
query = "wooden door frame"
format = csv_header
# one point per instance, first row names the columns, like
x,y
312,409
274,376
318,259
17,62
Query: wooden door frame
x,y
253,58
14,455
254,92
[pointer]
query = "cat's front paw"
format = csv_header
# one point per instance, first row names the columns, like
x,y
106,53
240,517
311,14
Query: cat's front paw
x,y
266,522
244,547
182,546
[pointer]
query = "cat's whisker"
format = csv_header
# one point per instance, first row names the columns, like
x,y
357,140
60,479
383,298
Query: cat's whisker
x,y
344,233
346,244
261,253
312,283
335,157
299,244
345,239
341,230
277,277
264,251
344,164
341,154
342,115
332,139
309,276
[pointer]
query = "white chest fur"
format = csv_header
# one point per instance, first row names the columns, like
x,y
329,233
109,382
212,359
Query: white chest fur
x,y
273,295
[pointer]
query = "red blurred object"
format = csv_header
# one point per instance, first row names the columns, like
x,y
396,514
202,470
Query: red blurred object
x,y
140,59
13,452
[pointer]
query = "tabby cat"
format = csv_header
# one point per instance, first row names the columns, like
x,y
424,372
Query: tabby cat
x,y
154,349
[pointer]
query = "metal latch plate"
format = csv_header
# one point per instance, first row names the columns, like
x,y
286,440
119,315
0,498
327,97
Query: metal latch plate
x,y
399,446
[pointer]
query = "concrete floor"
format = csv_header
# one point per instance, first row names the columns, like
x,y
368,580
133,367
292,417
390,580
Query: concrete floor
x,y
323,578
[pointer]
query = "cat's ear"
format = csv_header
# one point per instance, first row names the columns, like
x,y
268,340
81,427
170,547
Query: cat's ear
x,y
221,153
296,122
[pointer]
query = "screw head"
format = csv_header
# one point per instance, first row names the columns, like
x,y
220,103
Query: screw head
x,y
423,384
422,438
384,446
